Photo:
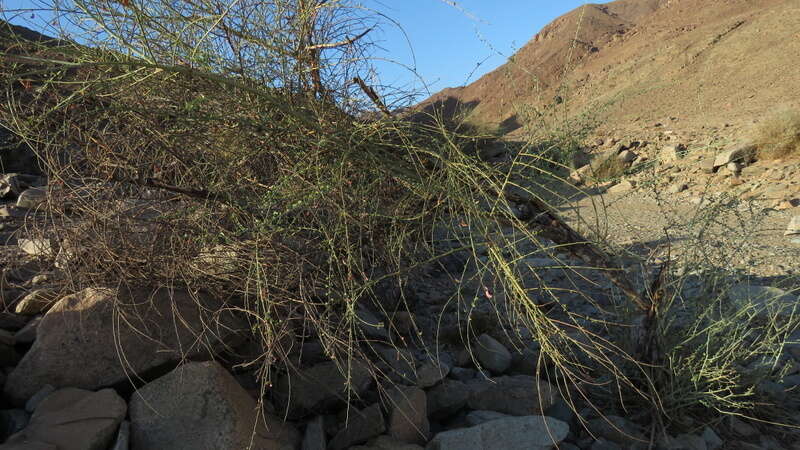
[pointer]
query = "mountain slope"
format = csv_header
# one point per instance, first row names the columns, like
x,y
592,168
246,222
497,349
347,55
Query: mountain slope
x,y
699,62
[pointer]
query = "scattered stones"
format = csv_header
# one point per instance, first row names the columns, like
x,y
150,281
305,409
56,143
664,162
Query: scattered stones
x,y
200,405
75,419
492,354
519,395
511,433
38,301
73,347
361,426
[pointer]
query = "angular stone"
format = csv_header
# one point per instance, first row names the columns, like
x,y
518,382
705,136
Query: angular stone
x,y
36,247
75,419
431,373
101,337
765,301
491,354
447,398
314,436
199,406
37,398
519,395
478,417
31,198
793,227
36,302
512,433
627,156
743,154
671,153
408,415
321,387
362,426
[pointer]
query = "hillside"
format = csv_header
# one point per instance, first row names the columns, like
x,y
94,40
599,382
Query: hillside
x,y
695,63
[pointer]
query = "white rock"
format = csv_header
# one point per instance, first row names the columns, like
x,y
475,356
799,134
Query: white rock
x,y
793,227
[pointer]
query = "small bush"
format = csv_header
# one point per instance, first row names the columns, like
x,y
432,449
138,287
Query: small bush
x,y
779,136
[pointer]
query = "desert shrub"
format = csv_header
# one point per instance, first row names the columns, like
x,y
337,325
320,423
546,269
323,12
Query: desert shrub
x,y
778,136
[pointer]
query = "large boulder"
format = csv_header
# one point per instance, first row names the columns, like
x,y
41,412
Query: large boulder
x,y
73,419
102,337
322,387
519,395
201,406
511,433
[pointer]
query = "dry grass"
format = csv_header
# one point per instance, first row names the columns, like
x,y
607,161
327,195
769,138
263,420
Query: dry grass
x,y
779,136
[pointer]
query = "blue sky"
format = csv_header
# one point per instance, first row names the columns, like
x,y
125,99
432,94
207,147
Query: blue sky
x,y
449,45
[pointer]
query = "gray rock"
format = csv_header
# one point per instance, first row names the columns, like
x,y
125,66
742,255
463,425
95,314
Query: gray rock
x,y
28,333
512,433
525,362
794,227
386,443
605,444
677,188
123,441
37,301
447,398
8,354
462,374
198,406
691,442
627,156
741,428
371,325
36,247
519,395
75,419
31,198
743,154
12,421
765,301
74,339
616,429
492,354
431,373
408,415
37,398
362,426
478,417
314,437
321,387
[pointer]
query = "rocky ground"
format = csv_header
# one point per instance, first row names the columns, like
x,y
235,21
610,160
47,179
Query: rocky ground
x,y
112,368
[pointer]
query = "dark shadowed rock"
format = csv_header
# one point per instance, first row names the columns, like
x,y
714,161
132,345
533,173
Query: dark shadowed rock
x,y
101,337
321,387
408,415
361,426
201,406
519,395
75,419
511,433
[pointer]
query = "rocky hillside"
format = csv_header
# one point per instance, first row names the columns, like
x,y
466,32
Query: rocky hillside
x,y
693,64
